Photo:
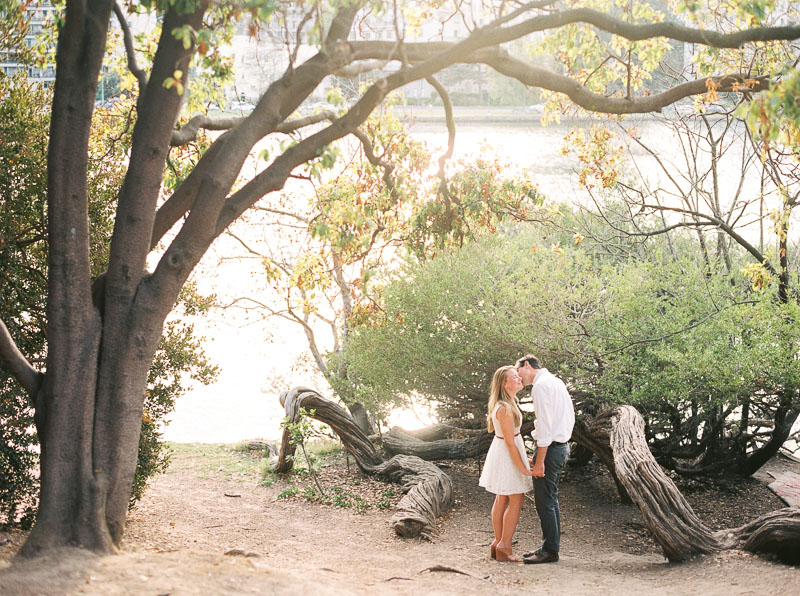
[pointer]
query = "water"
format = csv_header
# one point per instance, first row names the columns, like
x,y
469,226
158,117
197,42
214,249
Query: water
x,y
260,358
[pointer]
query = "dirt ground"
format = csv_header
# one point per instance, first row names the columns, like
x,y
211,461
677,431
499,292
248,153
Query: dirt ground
x,y
206,506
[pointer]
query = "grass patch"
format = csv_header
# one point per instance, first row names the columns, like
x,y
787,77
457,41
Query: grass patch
x,y
321,447
336,496
211,459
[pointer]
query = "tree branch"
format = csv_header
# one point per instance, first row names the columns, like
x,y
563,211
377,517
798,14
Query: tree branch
x,y
589,100
188,133
17,364
451,134
184,196
642,31
351,72
487,52
205,202
723,226
140,75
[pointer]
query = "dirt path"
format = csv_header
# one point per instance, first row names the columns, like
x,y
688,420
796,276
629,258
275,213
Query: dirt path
x,y
177,538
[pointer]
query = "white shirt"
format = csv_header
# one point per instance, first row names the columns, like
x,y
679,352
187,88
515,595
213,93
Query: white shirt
x,y
552,405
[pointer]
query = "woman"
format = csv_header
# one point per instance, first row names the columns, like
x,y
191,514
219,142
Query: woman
x,y
506,472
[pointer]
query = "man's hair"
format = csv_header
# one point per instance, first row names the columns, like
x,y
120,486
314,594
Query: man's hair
x,y
530,359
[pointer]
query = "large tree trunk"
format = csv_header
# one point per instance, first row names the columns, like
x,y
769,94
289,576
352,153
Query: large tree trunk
x,y
668,515
429,491
65,404
100,343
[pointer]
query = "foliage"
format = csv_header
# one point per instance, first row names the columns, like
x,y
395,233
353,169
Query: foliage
x,y
367,214
23,147
339,497
24,122
299,432
442,338
686,348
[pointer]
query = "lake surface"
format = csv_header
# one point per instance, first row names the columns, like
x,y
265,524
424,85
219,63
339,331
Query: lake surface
x,y
259,358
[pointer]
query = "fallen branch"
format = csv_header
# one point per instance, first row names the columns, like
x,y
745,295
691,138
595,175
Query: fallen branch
x,y
669,517
429,491
446,569
398,578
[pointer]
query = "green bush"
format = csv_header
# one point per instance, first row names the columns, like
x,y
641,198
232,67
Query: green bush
x,y
638,325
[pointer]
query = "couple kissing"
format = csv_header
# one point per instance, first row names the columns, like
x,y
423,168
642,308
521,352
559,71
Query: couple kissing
x,y
509,473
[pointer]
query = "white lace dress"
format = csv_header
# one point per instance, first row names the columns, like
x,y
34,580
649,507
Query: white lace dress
x,y
500,476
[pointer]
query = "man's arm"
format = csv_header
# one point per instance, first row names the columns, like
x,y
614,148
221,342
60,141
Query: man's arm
x,y
544,428
538,464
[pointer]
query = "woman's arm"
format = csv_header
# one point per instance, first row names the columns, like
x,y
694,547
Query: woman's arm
x,y
506,421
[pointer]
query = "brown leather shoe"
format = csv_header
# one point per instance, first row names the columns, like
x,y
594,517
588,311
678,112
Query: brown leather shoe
x,y
541,557
505,554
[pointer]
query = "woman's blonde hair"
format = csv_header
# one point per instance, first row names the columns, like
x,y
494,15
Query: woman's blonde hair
x,y
498,395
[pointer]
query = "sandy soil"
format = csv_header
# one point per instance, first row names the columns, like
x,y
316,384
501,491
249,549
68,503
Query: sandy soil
x,y
177,539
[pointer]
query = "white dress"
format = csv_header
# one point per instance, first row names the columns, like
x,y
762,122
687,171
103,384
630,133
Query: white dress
x,y
500,476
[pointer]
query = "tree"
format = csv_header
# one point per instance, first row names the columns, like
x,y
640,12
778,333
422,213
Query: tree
x,y
24,119
327,258
102,335
734,196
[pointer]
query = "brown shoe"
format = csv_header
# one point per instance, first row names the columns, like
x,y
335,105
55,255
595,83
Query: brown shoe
x,y
541,557
505,554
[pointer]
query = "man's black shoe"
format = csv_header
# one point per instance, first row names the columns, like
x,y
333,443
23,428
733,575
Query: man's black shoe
x,y
541,557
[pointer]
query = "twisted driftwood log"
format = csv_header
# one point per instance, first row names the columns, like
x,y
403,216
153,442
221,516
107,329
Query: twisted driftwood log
x,y
429,491
438,442
668,515
401,442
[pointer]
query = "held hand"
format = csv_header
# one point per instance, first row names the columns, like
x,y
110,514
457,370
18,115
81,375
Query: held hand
x,y
538,470
527,472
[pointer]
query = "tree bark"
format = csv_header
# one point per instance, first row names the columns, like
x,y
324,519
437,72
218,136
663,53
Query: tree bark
x,y
429,491
65,400
398,441
668,515
100,344
588,438
776,533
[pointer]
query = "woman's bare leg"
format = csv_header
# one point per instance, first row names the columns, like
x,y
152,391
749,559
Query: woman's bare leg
x,y
498,514
510,519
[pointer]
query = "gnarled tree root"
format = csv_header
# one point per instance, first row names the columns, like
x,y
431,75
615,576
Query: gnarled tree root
x,y
429,491
668,515
399,441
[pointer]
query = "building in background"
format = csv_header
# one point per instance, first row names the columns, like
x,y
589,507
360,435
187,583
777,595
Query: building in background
x,y
39,14
261,56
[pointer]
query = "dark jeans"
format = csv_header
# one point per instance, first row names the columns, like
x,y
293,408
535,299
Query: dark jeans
x,y
545,490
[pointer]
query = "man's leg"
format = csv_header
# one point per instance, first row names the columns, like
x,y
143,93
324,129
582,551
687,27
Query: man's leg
x,y
546,494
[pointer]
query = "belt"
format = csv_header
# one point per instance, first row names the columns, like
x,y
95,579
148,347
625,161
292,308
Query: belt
x,y
558,443
499,437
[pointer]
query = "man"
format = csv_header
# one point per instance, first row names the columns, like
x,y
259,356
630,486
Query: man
x,y
555,418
